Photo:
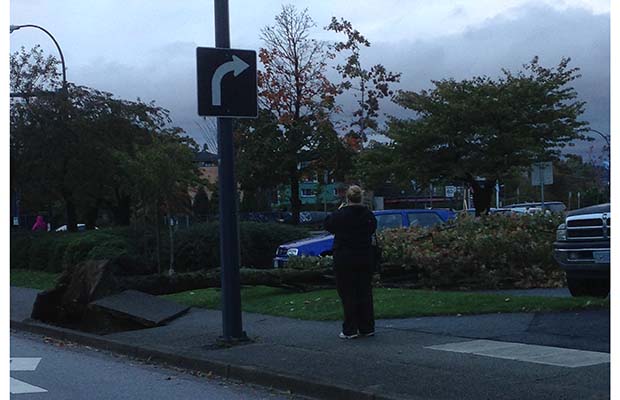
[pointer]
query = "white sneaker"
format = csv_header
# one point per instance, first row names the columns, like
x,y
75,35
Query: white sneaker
x,y
343,336
367,334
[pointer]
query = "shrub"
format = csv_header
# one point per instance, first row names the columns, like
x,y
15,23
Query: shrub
x,y
495,251
198,248
310,262
53,251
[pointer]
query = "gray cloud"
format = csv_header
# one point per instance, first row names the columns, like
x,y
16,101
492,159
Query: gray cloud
x,y
508,43
150,53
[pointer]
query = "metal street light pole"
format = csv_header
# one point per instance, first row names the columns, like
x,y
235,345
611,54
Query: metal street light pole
x,y
13,28
229,224
65,94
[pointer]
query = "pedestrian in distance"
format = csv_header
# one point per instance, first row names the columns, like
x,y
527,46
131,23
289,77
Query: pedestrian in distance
x,y
39,224
353,225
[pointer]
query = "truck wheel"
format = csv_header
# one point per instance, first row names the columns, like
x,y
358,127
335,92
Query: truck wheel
x,y
588,287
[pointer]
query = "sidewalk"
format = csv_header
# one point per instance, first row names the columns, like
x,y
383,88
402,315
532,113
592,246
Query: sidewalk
x,y
308,358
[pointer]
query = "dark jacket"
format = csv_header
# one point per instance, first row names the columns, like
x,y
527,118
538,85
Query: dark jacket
x,y
352,227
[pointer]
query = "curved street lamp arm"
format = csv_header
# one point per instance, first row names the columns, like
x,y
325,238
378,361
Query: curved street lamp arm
x,y
601,134
62,57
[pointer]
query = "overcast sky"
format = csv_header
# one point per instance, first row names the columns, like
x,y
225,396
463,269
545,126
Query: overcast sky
x,y
146,49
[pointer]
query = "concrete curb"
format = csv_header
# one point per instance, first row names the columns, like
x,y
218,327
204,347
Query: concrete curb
x,y
244,373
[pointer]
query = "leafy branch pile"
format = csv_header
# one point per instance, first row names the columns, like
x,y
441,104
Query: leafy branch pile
x,y
491,252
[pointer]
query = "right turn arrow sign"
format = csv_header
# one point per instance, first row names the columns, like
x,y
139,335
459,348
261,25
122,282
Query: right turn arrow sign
x,y
220,93
237,66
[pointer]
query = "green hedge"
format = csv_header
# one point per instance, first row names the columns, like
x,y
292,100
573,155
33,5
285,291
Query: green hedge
x,y
198,247
495,251
53,251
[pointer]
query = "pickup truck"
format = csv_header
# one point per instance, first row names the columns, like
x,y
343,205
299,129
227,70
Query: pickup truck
x,y
582,249
321,245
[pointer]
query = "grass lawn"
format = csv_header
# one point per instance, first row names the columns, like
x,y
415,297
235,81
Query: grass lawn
x,y
33,279
325,304
389,303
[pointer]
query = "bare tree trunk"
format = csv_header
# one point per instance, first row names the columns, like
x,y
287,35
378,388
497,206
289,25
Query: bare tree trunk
x,y
295,201
171,232
71,212
91,215
157,238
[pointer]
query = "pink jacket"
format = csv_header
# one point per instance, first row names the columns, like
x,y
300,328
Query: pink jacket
x,y
39,224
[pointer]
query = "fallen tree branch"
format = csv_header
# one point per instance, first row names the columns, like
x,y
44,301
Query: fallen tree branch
x,y
284,278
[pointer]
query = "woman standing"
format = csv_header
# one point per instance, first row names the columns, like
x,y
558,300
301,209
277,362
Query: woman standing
x,y
353,226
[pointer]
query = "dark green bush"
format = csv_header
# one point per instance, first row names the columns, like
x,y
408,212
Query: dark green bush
x,y
495,251
52,251
20,250
198,247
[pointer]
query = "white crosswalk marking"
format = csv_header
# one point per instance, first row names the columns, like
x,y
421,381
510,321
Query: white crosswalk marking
x,y
19,387
24,364
557,356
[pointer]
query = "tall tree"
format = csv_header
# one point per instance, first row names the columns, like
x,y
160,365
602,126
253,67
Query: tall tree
x,y
488,128
260,148
77,148
293,86
377,166
369,86
201,206
161,175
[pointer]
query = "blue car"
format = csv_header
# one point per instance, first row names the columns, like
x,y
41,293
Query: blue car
x,y
321,245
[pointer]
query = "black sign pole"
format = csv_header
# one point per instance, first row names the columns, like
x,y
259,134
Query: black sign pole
x,y
229,237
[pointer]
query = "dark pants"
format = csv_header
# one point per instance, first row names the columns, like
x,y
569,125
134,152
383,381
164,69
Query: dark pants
x,y
355,291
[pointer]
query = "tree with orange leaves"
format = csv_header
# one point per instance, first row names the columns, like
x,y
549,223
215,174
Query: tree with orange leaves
x,y
293,86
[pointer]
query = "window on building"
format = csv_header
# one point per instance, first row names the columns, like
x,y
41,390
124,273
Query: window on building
x,y
307,193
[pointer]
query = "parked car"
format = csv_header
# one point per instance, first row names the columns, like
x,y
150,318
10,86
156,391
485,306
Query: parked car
x,y
552,206
582,249
321,245
80,228
504,211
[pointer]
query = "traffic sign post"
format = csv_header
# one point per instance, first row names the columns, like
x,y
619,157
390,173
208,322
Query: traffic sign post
x,y
227,88
542,174
226,82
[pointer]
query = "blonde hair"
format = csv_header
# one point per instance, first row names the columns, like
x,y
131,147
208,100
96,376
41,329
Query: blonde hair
x,y
354,194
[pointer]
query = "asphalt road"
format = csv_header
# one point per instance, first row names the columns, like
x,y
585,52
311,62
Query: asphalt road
x,y
68,371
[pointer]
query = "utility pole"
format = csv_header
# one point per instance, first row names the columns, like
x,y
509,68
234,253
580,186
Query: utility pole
x,y
229,223
542,186
325,192
496,194
431,193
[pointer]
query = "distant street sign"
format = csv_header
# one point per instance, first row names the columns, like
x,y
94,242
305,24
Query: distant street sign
x,y
226,82
542,173
450,190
